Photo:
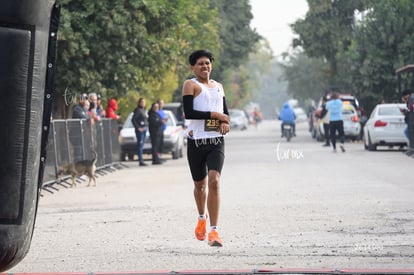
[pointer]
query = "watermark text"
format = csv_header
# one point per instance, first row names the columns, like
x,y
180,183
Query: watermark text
x,y
289,154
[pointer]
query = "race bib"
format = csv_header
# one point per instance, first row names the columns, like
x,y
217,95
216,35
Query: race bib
x,y
211,125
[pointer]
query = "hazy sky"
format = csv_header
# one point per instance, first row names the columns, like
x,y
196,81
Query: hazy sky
x,y
271,18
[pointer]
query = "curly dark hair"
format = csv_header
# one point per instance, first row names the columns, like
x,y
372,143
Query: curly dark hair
x,y
407,92
194,56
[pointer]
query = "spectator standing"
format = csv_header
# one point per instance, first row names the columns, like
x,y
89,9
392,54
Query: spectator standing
x,y
410,107
92,112
80,110
99,108
164,120
324,116
93,101
309,114
408,98
140,122
93,108
155,129
336,124
111,109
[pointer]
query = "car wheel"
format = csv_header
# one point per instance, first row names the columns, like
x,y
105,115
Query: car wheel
x,y
123,155
176,152
130,157
371,147
364,139
181,152
319,137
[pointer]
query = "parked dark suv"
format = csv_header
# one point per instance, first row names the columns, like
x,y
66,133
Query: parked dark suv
x,y
177,109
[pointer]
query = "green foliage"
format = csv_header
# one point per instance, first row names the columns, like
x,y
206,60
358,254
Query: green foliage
x,y
307,77
384,43
237,41
327,29
121,47
260,63
362,50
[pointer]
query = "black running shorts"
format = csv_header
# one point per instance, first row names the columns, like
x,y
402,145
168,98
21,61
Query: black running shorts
x,y
204,155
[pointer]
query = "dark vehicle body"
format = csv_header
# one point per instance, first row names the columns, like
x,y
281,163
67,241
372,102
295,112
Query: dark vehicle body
x,y
288,132
177,109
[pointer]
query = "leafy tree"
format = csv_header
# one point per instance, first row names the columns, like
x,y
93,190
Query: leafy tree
x,y
119,47
237,41
260,63
133,48
383,43
327,29
307,77
362,51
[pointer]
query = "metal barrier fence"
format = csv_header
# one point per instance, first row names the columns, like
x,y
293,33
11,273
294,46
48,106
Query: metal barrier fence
x,y
71,140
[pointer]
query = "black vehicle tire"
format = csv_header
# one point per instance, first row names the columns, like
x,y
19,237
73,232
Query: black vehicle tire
x,y
181,152
176,152
365,143
288,134
123,156
319,137
130,157
371,147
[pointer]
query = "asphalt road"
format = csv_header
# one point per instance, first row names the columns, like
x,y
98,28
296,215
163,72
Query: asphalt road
x,y
284,205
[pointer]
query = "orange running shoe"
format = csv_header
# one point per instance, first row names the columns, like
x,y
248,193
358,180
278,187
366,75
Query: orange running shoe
x,y
200,230
214,239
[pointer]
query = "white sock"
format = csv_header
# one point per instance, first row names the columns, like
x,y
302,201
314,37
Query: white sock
x,y
213,227
202,217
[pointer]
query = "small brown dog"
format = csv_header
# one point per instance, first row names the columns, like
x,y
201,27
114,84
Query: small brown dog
x,y
79,168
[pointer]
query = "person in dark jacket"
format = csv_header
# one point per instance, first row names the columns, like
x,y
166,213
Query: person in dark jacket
x,y
288,117
324,117
155,129
408,98
140,122
80,110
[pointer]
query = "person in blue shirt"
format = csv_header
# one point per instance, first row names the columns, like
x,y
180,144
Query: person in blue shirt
x,y
288,117
164,120
336,124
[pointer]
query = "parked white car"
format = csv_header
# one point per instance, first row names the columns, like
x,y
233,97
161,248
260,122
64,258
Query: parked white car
x,y
352,125
385,127
300,114
238,119
173,138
